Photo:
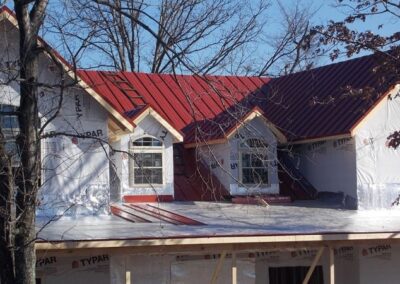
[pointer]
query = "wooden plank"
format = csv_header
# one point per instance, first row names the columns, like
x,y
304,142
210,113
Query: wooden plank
x,y
150,111
242,242
180,218
234,268
254,114
6,14
331,266
218,268
103,103
128,277
313,264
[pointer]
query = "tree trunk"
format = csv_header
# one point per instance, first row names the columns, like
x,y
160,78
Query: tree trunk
x,y
19,184
7,272
28,141
27,179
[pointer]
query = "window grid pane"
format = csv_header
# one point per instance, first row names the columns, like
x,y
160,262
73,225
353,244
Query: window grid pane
x,y
148,159
147,142
254,168
147,168
255,176
148,176
254,143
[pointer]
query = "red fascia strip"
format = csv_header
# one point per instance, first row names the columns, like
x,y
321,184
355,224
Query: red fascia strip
x,y
147,198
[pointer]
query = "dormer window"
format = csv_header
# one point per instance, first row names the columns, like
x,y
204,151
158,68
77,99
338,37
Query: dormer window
x,y
254,162
146,162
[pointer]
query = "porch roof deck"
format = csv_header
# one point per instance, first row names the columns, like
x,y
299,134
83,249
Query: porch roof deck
x,y
300,218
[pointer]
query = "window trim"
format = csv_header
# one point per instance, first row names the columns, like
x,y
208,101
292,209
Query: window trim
x,y
145,149
249,150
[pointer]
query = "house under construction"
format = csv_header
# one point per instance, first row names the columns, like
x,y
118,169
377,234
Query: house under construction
x,y
164,178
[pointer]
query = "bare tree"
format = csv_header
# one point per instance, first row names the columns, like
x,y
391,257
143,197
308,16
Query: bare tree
x,y
190,35
23,120
288,46
345,38
196,36
18,196
139,35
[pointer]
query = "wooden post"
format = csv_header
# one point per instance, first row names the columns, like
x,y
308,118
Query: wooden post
x,y
313,264
218,268
127,277
234,268
331,266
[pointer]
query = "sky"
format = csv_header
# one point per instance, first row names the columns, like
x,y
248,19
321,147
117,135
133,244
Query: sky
x,y
323,10
326,10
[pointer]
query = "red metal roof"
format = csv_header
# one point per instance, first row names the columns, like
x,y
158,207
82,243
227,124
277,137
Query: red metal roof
x,y
304,105
315,103
203,108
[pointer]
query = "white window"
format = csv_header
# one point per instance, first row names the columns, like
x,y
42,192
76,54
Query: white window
x,y
9,128
254,162
146,162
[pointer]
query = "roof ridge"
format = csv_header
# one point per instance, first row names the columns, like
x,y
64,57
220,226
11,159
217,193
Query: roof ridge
x,y
346,61
172,74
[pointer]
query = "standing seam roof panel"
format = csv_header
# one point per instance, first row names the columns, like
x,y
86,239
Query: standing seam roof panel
x,y
222,101
171,83
161,104
123,101
165,94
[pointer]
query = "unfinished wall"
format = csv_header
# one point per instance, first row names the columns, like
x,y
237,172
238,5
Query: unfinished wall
x,y
359,264
169,269
75,169
141,268
330,166
201,270
378,164
252,267
147,127
78,269
224,159
346,263
75,162
379,263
